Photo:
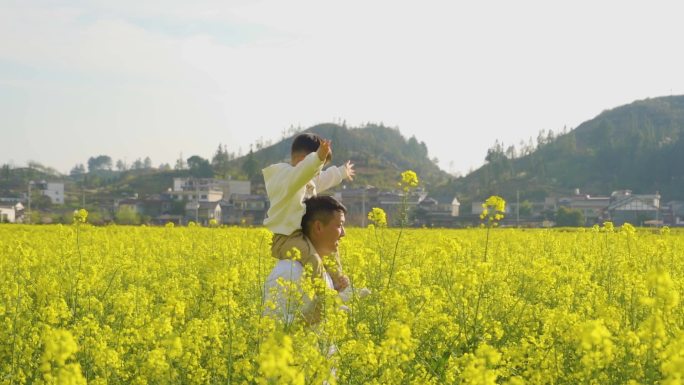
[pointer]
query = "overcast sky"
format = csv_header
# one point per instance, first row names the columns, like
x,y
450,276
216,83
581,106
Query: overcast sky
x,y
131,78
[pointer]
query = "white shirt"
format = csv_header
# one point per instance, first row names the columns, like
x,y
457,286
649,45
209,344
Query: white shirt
x,y
287,301
287,186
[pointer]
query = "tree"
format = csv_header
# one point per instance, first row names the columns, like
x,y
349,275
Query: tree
x,y
127,216
250,166
101,162
6,172
525,209
147,163
138,164
220,161
121,165
567,217
77,170
180,163
200,167
41,202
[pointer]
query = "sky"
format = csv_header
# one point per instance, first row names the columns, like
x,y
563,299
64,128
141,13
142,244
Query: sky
x,y
161,78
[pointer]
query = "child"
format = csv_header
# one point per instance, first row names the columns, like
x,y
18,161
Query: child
x,y
287,185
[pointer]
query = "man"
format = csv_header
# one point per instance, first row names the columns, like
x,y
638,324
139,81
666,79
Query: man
x,y
287,185
323,227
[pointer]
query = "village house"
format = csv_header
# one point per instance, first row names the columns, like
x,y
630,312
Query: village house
x,y
52,190
673,213
244,209
202,212
593,208
431,213
207,189
152,206
360,201
11,213
636,209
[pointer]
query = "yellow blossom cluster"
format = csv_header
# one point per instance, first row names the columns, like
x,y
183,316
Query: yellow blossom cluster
x,y
185,305
409,178
378,217
493,210
80,216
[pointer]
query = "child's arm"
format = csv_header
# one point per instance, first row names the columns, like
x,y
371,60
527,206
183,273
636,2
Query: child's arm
x,y
333,175
307,169
298,176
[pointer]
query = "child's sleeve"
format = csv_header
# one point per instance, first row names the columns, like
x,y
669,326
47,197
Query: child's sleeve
x,y
303,172
330,177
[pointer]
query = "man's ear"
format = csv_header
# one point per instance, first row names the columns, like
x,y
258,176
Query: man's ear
x,y
317,226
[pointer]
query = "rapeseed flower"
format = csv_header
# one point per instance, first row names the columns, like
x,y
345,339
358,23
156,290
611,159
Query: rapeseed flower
x,y
493,210
409,178
80,216
378,217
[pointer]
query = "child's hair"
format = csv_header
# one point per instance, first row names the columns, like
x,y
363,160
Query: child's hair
x,y
307,143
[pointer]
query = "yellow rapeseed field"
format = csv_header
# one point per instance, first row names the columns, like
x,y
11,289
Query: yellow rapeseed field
x,y
142,305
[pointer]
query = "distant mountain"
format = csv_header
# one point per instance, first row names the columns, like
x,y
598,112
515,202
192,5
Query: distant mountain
x,y
639,146
379,154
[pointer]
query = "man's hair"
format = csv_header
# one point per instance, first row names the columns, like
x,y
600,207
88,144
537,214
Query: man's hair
x,y
320,208
306,143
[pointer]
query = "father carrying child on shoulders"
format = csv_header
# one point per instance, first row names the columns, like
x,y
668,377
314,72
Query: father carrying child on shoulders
x,y
287,186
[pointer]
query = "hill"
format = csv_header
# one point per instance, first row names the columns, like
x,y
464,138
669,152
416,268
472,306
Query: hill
x,y
379,153
639,146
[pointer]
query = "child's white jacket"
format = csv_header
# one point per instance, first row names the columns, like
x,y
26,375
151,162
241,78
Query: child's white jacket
x,y
287,186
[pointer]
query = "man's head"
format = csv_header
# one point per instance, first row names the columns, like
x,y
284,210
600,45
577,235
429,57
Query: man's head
x,y
323,223
303,145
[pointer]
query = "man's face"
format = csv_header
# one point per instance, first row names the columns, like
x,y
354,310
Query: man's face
x,y
327,236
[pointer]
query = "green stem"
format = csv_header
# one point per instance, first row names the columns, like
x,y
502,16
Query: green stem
x,y
487,243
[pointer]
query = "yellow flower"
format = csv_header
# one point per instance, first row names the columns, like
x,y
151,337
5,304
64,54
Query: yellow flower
x,y
608,227
378,217
628,229
493,209
80,216
409,178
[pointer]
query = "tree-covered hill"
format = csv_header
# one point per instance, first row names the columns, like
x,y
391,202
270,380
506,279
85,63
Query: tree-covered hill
x,y
379,153
639,146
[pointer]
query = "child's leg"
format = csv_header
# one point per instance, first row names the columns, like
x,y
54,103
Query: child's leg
x,y
283,245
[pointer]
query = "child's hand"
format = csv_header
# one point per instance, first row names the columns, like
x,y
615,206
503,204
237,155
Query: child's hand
x,y
342,284
325,150
349,169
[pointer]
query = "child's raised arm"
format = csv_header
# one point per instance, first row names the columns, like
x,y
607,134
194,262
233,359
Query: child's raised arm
x,y
324,150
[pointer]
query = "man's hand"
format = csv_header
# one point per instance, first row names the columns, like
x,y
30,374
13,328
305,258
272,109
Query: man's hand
x,y
325,150
349,169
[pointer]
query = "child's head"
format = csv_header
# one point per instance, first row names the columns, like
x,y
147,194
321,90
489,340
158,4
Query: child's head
x,y
303,145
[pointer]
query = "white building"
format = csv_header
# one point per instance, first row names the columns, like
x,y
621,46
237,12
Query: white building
x,y
455,207
207,189
52,190
10,213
